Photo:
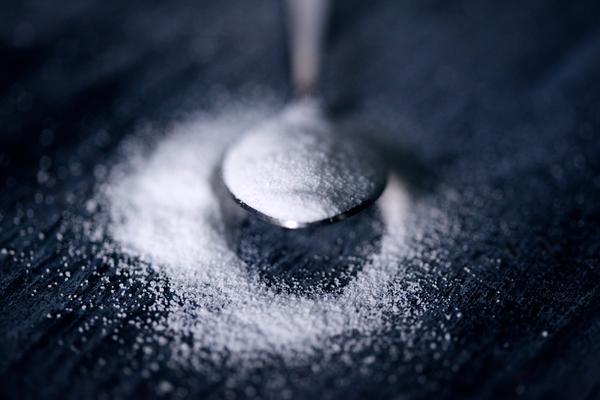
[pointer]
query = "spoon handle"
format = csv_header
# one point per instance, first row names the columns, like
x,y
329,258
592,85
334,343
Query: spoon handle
x,y
306,26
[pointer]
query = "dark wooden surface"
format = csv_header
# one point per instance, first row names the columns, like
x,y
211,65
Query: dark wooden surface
x,y
496,102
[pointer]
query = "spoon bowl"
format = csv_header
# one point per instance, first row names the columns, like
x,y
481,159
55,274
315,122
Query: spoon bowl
x,y
295,171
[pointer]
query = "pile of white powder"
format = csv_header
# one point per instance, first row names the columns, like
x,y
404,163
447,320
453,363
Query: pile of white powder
x,y
162,208
298,168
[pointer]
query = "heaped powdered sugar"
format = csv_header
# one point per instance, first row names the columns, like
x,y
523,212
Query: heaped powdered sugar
x,y
162,208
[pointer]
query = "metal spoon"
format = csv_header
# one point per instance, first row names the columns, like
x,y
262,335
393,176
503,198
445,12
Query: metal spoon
x,y
296,170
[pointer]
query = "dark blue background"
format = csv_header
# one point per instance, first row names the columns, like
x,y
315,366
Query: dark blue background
x,y
497,101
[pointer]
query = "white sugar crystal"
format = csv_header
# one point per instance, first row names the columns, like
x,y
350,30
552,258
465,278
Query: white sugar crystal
x,y
163,209
296,168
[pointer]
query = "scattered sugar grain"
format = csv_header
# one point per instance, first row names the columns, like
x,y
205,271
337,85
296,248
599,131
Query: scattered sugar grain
x,y
162,209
